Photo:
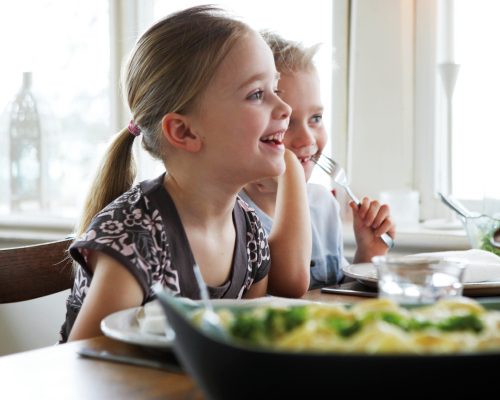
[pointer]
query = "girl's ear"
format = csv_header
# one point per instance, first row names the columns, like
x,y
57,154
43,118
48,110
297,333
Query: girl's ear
x,y
177,131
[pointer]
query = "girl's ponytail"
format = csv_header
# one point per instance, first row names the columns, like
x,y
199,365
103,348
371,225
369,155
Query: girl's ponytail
x,y
115,176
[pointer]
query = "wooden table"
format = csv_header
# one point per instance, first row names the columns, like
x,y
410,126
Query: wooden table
x,y
58,372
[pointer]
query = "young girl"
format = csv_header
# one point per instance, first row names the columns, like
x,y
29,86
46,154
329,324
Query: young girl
x,y
306,137
202,91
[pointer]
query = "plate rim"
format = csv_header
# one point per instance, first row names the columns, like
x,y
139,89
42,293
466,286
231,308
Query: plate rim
x,y
471,287
134,335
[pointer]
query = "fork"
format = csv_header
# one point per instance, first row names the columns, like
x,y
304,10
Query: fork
x,y
338,175
209,318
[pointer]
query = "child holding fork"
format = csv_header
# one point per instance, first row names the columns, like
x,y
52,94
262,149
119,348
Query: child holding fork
x,y
299,87
202,91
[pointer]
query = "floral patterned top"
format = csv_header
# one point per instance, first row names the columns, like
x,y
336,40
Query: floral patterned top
x,y
142,230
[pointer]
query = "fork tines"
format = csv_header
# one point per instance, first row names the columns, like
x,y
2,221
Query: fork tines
x,y
325,163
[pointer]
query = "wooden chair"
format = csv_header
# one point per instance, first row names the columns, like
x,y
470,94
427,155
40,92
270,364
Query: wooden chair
x,y
34,271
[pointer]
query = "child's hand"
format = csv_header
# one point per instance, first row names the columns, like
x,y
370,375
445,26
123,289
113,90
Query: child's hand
x,y
370,220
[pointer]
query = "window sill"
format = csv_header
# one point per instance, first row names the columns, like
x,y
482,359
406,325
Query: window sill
x,y
416,240
16,230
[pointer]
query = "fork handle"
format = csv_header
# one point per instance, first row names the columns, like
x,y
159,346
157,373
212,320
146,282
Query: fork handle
x,y
385,237
387,240
352,195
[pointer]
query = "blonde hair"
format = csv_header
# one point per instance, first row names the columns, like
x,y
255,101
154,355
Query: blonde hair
x,y
169,67
290,56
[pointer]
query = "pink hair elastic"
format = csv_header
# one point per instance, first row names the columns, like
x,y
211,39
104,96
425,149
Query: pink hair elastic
x,y
133,128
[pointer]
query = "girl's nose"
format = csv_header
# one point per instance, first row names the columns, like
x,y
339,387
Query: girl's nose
x,y
282,109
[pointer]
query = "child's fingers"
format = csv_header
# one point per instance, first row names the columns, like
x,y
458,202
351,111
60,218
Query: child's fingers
x,y
363,207
386,227
371,214
382,214
374,215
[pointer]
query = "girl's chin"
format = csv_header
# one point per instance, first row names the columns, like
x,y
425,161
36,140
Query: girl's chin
x,y
277,166
269,185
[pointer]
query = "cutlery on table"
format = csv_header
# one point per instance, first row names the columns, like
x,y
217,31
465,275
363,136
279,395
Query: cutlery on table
x,y
338,175
126,359
457,206
348,292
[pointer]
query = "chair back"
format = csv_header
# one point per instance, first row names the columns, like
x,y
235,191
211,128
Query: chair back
x,y
29,272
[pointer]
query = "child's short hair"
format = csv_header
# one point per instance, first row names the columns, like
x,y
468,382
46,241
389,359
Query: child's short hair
x,y
290,56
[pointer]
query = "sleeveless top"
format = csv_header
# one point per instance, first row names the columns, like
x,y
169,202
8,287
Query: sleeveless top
x,y
142,230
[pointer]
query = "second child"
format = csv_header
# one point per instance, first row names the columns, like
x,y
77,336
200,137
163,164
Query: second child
x,y
306,137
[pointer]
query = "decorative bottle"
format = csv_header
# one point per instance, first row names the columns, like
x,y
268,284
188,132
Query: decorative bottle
x,y
25,150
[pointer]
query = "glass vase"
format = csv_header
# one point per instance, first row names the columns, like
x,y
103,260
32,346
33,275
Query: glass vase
x,y
25,144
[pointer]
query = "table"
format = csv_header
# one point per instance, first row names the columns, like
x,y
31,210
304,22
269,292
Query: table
x,y
58,372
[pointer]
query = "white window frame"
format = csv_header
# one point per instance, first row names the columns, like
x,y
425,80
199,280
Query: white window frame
x,y
432,147
381,134
391,140
429,148
416,96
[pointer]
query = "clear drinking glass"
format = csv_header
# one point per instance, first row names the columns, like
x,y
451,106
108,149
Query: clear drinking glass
x,y
418,280
480,230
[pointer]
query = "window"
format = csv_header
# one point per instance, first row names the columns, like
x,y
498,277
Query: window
x,y
65,46
74,51
476,102
464,33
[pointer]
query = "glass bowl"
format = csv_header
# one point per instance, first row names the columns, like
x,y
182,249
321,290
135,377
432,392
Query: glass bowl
x,y
480,230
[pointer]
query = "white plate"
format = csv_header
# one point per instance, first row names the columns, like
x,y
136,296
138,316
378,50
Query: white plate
x,y
124,326
366,273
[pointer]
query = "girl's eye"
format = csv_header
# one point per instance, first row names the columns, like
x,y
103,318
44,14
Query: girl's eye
x,y
317,118
278,92
258,95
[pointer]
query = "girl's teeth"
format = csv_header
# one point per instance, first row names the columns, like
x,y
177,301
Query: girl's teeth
x,y
273,138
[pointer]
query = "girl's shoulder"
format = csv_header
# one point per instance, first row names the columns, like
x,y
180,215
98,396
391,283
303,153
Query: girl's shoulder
x,y
136,208
137,196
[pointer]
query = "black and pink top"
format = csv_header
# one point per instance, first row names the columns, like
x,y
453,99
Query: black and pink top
x,y
142,230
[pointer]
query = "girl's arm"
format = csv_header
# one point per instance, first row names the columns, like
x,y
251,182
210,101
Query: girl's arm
x,y
290,239
113,288
258,289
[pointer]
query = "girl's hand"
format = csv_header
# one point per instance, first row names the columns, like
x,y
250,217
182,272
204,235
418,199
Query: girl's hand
x,y
370,220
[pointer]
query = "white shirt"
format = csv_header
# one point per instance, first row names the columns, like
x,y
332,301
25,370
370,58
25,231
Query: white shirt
x,y
327,256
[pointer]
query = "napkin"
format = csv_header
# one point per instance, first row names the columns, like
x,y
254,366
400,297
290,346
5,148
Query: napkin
x,y
151,318
481,265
